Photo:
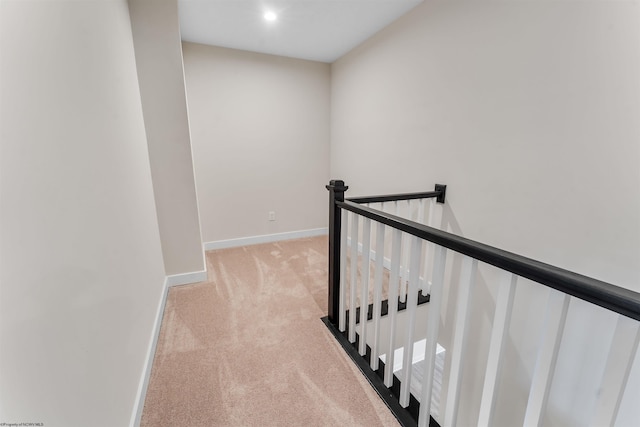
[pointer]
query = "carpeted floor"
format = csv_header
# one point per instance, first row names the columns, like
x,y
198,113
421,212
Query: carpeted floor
x,y
247,348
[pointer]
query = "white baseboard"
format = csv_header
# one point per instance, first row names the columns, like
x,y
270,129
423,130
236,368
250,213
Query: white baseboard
x,y
136,415
266,238
186,278
169,281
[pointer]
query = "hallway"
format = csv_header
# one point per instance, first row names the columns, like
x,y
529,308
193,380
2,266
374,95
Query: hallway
x,y
247,347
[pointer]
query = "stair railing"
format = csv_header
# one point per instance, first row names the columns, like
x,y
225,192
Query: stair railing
x,y
349,294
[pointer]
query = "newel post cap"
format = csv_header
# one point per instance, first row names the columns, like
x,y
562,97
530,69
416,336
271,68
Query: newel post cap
x,y
337,185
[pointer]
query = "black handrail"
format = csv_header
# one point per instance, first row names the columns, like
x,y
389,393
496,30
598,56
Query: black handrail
x,y
438,193
614,298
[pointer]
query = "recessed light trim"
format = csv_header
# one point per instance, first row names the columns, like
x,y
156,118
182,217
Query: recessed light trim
x,y
270,16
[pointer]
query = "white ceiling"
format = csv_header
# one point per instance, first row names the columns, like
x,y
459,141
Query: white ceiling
x,y
318,30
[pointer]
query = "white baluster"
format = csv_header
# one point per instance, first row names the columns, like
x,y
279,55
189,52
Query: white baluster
x,y
428,264
420,219
552,330
458,348
396,244
404,269
412,303
353,285
435,305
499,334
622,353
364,290
343,269
377,296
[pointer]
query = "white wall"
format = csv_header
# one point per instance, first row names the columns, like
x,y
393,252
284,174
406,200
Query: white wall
x,y
260,136
81,272
529,112
158,52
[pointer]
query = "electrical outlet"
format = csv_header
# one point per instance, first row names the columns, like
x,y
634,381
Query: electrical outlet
x,y
272,216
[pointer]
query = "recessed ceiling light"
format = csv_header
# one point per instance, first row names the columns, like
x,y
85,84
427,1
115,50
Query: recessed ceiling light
x,y
270,16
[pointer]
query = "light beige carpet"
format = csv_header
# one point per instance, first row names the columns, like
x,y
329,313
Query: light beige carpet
x,y
247,348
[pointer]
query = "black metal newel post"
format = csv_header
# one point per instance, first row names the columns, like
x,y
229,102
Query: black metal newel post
x,y
336,194
443,192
